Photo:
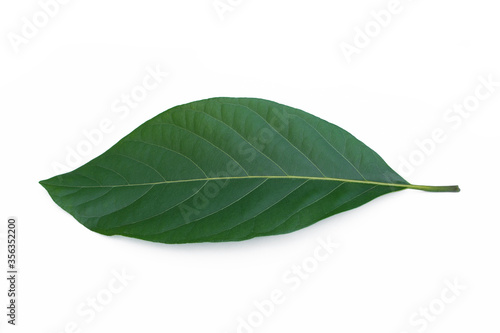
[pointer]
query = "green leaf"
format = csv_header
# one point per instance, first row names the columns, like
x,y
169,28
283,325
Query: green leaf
x,y
225,169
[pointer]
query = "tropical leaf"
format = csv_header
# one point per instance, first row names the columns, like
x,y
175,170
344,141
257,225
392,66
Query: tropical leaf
x,y
225,169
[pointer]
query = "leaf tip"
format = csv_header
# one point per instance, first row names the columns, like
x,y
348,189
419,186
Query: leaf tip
x,y
43,182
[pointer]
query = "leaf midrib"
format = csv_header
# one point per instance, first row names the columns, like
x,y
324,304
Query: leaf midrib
x,y
356,181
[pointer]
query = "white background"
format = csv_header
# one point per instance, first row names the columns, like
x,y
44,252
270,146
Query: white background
x,y
395,254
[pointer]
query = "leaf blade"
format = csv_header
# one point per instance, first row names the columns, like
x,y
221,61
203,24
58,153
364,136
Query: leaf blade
x,y
224,169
